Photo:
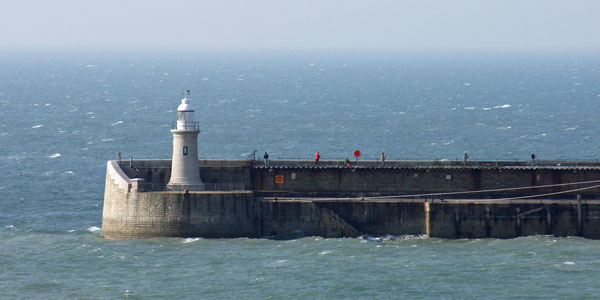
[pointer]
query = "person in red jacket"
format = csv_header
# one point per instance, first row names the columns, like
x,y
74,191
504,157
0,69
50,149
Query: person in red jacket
x,y
317,157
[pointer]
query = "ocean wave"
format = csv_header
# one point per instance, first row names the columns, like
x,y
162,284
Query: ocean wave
x,y
389,237
503,106
190,240
324,252
54,155
107,140
37,126
116,123
94,229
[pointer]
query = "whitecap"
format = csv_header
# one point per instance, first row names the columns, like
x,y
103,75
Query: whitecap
x,y
568,263
504,128
9,226
190,240
89,113
281,261
205,78
470,108
94,229
68,172
503,106
55,155
90,66
486,108
47,104
324,252
107,140
467,84
71,230
38,126
116,123
571,128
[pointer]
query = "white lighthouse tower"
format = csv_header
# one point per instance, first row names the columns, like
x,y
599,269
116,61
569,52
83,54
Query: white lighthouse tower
x,y
184,168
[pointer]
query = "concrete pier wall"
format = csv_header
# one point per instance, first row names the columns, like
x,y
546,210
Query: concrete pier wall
x,y
435,179
131,210
131,213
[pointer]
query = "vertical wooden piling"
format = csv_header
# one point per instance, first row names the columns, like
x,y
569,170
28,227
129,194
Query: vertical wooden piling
x,y
579,229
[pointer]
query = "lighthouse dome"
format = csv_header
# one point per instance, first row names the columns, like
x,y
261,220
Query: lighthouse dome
x,y
185,105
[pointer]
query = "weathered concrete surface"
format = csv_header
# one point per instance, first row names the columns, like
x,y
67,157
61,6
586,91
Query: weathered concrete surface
x,y
129,213
341,181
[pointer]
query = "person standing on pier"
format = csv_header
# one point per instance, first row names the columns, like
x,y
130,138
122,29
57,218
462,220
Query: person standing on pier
x,y
382,158
317,157
266,157
533,157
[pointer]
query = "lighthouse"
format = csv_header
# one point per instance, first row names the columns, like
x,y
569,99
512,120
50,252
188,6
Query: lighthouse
x,y
185,173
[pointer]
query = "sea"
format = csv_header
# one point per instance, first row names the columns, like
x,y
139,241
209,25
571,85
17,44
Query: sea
x,y
64,114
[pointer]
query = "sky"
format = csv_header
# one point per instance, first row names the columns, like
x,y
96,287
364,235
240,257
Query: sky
x,y
308,24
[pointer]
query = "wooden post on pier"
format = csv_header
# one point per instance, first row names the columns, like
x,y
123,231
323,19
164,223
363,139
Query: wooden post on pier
x,y
579,229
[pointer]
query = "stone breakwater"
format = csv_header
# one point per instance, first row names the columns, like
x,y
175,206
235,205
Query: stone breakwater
x,y
289,199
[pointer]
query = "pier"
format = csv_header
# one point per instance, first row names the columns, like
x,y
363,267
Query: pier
x,y
292,198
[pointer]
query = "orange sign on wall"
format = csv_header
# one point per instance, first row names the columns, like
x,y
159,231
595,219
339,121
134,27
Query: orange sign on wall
x,y
278,178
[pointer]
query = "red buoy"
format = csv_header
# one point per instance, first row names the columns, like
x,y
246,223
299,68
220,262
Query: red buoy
x,y
356,153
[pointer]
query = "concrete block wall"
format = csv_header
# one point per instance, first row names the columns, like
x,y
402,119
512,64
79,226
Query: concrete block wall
x,y
392,181
128,213
380,218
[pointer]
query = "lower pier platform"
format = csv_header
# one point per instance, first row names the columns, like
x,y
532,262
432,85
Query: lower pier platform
x,y
455,218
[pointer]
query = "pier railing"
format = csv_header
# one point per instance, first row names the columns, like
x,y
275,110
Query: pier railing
x,y
304,162
161,187
185,125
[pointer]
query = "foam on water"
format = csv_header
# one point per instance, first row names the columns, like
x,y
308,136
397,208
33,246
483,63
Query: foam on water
x,y
503,106
94,229
54,155
190,240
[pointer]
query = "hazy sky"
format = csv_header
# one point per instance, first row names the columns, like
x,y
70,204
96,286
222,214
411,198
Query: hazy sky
x,y
301,24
